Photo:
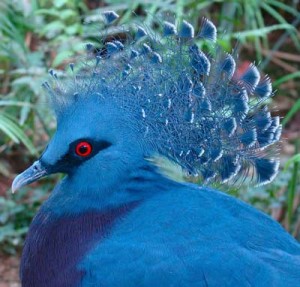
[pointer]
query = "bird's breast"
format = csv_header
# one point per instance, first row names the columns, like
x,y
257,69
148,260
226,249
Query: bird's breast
x,y
53,248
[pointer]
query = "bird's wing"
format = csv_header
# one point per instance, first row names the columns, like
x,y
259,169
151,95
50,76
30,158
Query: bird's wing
x,y
173,240
149,264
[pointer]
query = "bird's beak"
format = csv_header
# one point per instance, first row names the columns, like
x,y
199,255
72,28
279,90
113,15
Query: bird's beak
x,y
31,174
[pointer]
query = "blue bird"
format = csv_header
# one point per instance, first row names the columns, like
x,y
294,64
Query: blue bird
x,y
116,219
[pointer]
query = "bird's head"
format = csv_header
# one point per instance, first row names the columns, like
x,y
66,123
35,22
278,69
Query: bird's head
x,y
160,95
92,141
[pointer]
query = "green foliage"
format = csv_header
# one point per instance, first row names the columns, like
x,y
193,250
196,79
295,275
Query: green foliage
x,y
12,130
39,34
16,214
292,187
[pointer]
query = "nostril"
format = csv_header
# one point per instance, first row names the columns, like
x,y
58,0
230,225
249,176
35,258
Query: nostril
x,y
36,167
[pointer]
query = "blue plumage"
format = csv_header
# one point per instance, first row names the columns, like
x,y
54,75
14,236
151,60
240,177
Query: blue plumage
x,y
186,30
208,31
110,16
140,33
117,219
169,29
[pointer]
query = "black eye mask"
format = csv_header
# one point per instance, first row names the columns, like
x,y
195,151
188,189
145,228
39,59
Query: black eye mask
x,y
79,151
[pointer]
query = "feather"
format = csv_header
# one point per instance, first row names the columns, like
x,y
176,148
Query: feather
x,y
266,169
182,98
227,66
199,61
208,30
169,29
264,88
110,16
250,78
186,30
140,33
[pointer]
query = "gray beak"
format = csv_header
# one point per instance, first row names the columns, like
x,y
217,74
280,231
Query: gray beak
x,y
31,174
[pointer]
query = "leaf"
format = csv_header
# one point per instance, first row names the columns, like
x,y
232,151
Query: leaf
x,y
6,127
59,3
50,12
53,28
60,58
12,130
73,29
22,81
9,231
67,13
25,110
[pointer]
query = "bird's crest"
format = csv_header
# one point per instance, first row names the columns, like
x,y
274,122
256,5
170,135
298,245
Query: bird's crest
x,y
192,106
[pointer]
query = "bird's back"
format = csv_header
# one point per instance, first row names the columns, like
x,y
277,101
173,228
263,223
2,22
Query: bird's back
x,y
192,236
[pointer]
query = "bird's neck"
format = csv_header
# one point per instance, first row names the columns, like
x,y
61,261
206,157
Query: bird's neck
x,y
128,186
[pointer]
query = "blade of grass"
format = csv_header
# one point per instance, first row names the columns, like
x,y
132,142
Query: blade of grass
x,y
261,23
279,43
228,11
257,42
295,158
284,7
281,20
261,31
292,188
16,103
295,108
286,78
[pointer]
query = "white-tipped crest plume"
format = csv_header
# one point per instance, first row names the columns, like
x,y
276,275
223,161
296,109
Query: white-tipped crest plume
x,y
192,107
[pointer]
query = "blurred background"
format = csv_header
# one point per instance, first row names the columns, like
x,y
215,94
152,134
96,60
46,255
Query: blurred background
x,y
36,35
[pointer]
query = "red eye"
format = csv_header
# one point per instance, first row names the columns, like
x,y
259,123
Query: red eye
x,y
83,149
